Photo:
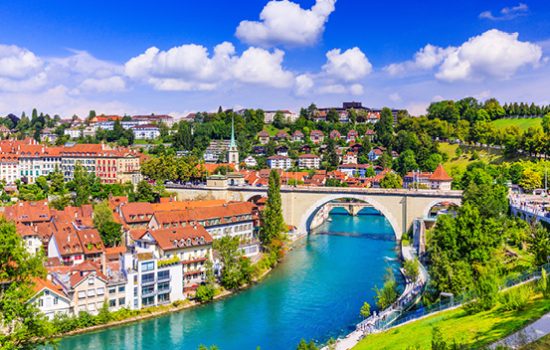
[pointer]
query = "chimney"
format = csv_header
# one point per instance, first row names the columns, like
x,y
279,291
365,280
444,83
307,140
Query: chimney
x,y
104,263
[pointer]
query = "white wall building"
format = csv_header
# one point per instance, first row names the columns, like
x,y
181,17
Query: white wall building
x,y
146,132
279,162
309,161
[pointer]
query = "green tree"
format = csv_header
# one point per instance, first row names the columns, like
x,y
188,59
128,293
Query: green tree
x,y
433,161
81,184
205,293
304,345
406,162
23,326
365,310
530,180
539,244
109,230
546,123
234,272
412,268
388,294
273,222
332,157
57,182
384,128
144,192
391,180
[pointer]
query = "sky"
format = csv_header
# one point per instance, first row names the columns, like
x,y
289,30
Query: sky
x,y
174,57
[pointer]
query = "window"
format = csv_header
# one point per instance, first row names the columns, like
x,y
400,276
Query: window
x,y
112,303
121,301
147,290
164,298
162,287
148,301
40,302
100,291
112,290
91,292
162,275
148,278
148,266
121,289
81,295
55,300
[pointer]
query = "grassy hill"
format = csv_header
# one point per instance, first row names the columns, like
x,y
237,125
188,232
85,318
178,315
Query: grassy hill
x,y
457,164
522,123
473,330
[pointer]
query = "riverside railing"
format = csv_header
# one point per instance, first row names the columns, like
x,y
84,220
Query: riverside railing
x,y
407,316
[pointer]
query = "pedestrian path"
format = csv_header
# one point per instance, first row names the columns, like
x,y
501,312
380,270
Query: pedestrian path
x,y
529,334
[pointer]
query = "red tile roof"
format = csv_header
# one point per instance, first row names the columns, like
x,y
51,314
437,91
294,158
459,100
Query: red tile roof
x,y
28,212
440,174
177,238
40,284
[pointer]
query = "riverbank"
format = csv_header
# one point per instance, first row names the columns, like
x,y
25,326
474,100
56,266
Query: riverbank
x,y
412,291
315,293
473,330
177,306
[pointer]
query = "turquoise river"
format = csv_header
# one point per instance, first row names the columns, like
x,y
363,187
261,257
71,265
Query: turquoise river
x,y
316,293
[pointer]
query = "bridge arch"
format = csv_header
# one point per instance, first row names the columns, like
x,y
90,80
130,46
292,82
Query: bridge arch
x,y
428,208
314,207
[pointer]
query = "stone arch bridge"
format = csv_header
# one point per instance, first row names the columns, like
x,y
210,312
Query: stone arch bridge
x,y
300,204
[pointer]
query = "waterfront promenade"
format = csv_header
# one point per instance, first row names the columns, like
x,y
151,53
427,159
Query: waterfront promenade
x,y
379,321
531,207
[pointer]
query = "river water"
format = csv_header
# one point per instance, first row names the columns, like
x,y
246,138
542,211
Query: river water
x,y
314,294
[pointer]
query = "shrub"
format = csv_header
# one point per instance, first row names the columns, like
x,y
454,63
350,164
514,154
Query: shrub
x,y
205,293
516,298
411,269
543,285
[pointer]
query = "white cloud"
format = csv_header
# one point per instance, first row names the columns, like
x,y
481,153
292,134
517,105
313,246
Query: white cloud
x,y
286,23
351,65
260,66
506,13
395,97
20,69
111,84
356,89
332,89
493,54
18,63
191,67
426,58
303,85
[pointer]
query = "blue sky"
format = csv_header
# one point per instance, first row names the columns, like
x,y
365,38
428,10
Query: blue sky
x,y
175,57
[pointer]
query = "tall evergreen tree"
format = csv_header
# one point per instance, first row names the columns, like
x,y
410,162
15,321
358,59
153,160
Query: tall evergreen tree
x,y
273,222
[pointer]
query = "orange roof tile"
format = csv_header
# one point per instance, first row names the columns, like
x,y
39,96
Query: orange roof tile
x,y
440,174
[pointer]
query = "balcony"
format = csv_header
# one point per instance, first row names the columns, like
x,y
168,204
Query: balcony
x,y
148,281
165,278
148,293
194,260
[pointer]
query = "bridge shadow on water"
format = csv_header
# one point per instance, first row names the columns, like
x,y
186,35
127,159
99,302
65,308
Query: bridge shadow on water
x,y
372,236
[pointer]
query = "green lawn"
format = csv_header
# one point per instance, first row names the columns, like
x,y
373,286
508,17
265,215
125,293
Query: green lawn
x,y
272,131
522,123
459,164
475,330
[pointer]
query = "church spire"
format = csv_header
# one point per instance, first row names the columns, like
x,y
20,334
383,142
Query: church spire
x,y
233,151
233,143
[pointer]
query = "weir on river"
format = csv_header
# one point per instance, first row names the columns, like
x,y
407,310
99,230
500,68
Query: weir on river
x,y
316,293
